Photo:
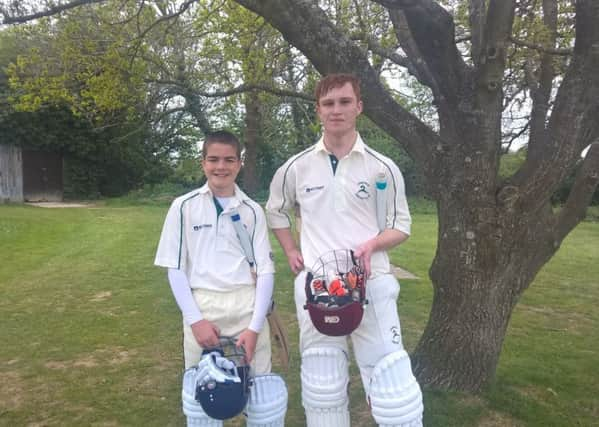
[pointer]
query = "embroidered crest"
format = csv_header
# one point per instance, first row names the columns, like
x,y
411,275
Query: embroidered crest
x,y
396,335
363,190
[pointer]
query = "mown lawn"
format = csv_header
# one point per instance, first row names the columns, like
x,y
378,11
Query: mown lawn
x,y
90,334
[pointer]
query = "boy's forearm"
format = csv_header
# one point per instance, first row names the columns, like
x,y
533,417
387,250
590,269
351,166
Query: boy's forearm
x,y
388,239
286,240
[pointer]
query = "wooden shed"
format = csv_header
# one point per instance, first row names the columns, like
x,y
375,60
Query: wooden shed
x,y
30,175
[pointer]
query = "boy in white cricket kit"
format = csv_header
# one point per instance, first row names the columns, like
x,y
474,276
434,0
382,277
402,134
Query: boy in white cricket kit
x,y
334,184
212,281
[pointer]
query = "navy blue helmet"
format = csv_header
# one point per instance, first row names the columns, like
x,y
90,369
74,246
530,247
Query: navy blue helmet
x,y
223,380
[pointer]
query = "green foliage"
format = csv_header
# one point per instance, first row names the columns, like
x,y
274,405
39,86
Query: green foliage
x,y
161,194
71,86
82,62
561,194
95,162
188,172
593,211
511,162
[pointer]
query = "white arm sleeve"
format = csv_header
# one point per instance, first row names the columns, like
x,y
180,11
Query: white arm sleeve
x,y
182,293
264,287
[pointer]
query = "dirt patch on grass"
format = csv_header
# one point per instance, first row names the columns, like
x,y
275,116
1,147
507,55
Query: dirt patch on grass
x,y
120,357
103,357
55,365
541,395
101,296
12,392
401,273
86,362
497,419
60,204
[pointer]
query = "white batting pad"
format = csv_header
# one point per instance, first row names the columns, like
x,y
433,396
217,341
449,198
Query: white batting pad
x,y
268,402
191,408
325,379
395,397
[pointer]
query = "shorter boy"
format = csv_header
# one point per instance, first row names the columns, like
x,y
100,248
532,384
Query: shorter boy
x,y
218,291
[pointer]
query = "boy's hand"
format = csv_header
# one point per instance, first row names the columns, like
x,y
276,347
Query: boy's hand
x,y
206,333
247,339
295,260
364,253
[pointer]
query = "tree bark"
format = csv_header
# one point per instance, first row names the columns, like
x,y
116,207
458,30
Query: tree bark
x,y
486,257
251,138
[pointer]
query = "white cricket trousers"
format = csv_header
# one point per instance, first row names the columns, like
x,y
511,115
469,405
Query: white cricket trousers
x,y
232,312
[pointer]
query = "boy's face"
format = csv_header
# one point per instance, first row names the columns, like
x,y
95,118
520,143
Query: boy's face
x,y
339,109
221,166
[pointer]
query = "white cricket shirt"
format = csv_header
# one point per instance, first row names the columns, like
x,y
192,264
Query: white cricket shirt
x,y
338,210
205,246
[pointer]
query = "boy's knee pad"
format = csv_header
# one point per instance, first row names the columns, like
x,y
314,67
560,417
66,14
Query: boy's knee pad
x,y
395,397
192,408
268,402
325,379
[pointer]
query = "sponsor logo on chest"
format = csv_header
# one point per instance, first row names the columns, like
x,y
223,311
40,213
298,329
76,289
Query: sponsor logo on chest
x,y
316,188
201,226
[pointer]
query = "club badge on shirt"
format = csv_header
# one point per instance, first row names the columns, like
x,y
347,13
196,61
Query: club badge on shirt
x,y
363,192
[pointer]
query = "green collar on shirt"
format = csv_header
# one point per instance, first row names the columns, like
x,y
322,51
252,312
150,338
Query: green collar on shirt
x,y
219,208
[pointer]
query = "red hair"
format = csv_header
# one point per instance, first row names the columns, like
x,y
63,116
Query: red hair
x,y
336,80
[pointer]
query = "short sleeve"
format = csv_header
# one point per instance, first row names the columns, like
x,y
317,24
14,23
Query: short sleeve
x,y
171,251
281,198
398,212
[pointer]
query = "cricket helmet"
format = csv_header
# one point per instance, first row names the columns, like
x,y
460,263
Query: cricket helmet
x,y
223,380
336,293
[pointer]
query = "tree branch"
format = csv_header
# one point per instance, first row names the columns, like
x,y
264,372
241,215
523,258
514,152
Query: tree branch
x,y
541,91
238,89
573,123
493,49
542,49
8,19
420,69
580,195
389,54
476,16
306,26
514,136
439,63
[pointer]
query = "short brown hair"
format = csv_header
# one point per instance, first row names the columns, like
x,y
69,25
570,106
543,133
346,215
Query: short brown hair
x,y
221,137
331,81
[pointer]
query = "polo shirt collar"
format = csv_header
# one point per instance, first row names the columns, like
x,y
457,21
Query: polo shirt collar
x,y
359,146
238,197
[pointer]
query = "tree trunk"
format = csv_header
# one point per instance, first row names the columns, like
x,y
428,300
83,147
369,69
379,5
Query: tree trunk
x,y
486,258
251,137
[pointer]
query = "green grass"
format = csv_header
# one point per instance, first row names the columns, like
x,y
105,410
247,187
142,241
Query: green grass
x,y
91,335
